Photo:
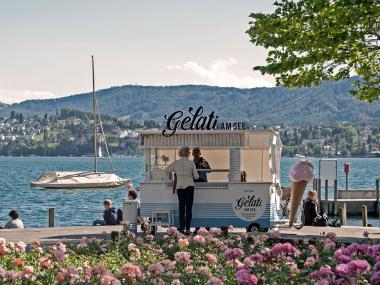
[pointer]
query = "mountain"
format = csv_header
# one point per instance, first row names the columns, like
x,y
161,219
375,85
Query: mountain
x,y
329,103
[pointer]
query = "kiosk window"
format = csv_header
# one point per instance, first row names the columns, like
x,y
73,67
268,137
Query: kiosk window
x,y
255,162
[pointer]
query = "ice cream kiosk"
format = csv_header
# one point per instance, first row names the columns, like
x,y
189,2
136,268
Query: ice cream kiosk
x,y
243,188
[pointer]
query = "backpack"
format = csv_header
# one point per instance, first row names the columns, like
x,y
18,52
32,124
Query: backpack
x,y
321,221
120,215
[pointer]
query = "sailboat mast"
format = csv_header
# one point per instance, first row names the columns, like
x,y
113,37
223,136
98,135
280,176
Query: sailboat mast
x,y
94,110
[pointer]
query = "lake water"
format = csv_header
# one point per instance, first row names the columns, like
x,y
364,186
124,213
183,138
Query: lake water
x,y
81,207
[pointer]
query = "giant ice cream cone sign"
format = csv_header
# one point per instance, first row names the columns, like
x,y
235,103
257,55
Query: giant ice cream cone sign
x,y
301,174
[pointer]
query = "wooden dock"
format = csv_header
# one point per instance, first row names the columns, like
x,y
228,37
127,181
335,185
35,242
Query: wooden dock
x,y
74,234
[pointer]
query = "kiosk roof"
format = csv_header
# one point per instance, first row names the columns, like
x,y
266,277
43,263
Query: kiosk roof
x,y
253,139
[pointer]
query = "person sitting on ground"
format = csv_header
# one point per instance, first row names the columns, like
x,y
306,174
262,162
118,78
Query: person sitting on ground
x,y
109,215
132,195
311,208
15,222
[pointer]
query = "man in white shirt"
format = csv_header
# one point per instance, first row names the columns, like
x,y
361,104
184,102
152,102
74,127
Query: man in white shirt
x,y
15,223
186,173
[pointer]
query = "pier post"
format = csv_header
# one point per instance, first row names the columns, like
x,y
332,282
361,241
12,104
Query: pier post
x,y
364,216
343,215
340,214
326,196
335,197
51,217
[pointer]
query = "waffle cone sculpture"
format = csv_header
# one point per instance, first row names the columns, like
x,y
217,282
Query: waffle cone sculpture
x,y
301,174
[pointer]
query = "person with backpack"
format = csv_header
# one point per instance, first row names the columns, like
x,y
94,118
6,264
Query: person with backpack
x,y
109,215
311,211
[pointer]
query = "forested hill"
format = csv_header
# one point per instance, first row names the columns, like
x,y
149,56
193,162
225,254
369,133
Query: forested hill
x,y
329,103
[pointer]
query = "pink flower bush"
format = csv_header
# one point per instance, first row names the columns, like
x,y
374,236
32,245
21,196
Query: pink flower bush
x,y
275,234
375,279
331,235
244,277
130,272
322,282
235,253
182,257
108,279
212,259
257,257
20,246
183,242
215,281
156,269
207,258
310,261
204,270
323,272
282,249
198,239
342,270
358,267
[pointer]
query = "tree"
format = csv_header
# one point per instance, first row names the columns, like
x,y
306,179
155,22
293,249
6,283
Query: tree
x,y
314,40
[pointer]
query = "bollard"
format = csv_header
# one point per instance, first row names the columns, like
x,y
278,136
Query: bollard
x,y
364,216
319,189
340,214
335,197
51,218
344,215
326,196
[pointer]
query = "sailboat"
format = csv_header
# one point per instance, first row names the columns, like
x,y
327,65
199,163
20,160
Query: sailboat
x,y
84,179
100,154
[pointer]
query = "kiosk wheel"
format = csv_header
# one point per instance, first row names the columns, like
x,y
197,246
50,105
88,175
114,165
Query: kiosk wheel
x,y
254,228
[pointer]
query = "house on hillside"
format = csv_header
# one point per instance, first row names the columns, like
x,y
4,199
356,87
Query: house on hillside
x,y
328,150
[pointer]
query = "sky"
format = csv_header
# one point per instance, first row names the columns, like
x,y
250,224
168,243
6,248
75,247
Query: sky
x,y
46,46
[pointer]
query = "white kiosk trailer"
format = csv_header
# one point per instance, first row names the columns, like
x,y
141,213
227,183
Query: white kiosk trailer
x,y
228,198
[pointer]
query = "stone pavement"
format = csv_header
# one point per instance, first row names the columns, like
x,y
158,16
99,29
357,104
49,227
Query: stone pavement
x,y
75,233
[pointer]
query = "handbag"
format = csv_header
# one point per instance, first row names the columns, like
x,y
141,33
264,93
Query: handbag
x,y
321,221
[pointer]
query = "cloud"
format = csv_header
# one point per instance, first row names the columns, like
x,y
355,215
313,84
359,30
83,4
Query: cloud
x,y
10,96
219,74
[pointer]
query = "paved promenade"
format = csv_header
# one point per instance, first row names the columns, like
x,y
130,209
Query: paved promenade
x,y
72,234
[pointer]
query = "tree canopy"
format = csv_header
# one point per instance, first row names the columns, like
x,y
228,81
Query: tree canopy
x,y
313,40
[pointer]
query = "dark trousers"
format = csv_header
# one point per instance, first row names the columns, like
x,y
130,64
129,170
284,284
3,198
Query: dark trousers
x,y
185,199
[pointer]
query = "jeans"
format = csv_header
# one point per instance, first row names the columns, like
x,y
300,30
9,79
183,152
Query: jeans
x,y
99,223
185,199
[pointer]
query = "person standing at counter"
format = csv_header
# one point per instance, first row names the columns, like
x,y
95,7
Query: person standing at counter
x,y
186,173
200,163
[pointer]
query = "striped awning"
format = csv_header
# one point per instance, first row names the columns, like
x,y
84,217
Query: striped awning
x,y
211,139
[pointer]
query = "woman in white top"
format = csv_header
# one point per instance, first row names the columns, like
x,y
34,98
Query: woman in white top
x,y
186,172
15,223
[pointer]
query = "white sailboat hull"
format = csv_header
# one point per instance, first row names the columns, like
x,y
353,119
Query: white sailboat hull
x,y
79,179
